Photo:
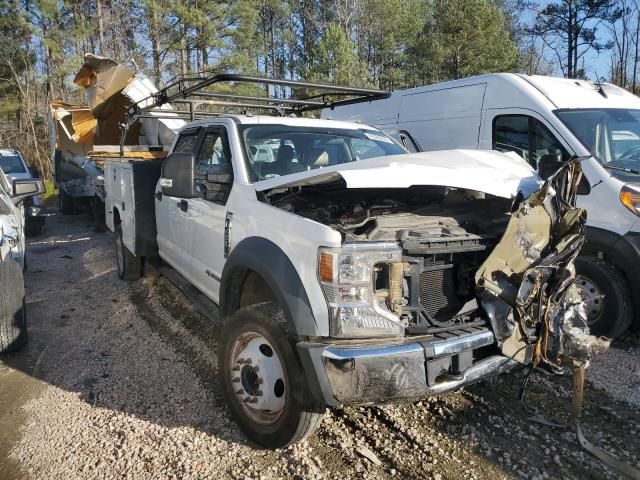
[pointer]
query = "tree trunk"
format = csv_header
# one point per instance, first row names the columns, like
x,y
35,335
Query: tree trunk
x,y
154,37
99,14
635,58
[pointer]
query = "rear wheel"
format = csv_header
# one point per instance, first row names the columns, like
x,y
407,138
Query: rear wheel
x,y
263,380
607,297
129,266
13,314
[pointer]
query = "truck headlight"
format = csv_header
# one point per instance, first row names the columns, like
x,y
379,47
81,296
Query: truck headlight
x,y
347,276
630,198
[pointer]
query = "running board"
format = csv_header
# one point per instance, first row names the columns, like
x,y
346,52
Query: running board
x,y
203,305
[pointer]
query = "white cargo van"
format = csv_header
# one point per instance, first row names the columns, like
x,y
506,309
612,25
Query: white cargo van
x,y
539,116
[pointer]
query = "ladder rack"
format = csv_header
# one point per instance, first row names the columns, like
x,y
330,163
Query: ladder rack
x,y
194,92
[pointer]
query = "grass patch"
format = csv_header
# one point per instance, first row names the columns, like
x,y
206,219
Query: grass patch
x,y
50,196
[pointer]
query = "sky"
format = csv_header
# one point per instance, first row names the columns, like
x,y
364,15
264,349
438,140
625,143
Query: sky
x,y
597,66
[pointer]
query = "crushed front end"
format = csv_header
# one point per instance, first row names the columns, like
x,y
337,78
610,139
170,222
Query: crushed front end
x,y
526,286
439,287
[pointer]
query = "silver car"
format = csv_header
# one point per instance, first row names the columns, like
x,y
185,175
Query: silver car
x,y
13,316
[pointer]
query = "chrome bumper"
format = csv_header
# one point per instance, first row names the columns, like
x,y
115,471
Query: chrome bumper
x,y
369,374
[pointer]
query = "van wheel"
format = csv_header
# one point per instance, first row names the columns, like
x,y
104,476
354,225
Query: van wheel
x,y
263,380
13,313
608,301
129,266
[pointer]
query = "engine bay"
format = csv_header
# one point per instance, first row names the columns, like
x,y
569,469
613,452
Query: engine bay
x,y
445,235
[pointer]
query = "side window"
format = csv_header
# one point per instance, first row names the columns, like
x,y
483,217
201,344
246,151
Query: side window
x,y
511,134
186,142
408,142
526,136
214,158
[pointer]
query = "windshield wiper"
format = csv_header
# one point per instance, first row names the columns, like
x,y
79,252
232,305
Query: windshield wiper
x,y
622,169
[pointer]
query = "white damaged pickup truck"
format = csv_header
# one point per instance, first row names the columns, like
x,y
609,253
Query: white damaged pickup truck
x,y
350,272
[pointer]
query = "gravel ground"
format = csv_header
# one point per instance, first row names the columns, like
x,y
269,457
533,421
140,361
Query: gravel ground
x,y
119,381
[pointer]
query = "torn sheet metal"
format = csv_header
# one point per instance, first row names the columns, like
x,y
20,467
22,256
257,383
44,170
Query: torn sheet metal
x,y
528,280
102,78
111,89
75,121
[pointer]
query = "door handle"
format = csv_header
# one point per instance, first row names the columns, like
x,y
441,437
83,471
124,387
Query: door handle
x,y
159,196
183,205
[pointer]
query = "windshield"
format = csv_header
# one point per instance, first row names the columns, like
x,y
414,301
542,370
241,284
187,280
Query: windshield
x,y
276,150
611,135
11,164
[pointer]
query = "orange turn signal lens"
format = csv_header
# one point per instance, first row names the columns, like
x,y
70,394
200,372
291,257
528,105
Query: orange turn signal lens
x,y
325,266
630,199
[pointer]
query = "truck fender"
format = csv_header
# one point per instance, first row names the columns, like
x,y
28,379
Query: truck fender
x,y
265,258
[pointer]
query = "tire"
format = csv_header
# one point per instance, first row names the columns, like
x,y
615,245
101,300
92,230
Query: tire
x,y
129,266
293,412
13,313
66,203
610,310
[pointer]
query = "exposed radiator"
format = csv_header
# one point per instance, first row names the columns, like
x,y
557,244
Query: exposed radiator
x,y
438,292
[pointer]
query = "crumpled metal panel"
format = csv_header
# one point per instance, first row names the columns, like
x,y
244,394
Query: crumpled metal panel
x,y
526,285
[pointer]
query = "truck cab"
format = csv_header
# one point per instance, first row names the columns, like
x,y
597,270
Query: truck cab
x,y
536,117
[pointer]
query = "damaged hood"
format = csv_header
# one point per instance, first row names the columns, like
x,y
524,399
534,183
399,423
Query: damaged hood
x,y
499,174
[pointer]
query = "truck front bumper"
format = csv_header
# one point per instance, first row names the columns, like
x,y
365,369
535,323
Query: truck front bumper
x,y
349,374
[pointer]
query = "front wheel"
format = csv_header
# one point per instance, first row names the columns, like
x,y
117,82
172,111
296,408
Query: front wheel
x,y
129,266
607,297
263,381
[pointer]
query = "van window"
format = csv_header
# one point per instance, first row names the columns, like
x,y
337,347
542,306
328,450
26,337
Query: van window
x,y
526,136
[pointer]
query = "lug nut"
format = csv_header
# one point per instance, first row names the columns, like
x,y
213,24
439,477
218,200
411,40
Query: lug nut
x,y
259,393
241,360
256,368
239,392
236,368
236,380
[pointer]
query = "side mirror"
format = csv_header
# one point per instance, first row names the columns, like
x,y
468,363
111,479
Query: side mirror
x,y
176,179
549,164
27,187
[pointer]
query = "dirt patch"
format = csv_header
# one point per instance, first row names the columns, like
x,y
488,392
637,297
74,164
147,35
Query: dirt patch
x,y
126,386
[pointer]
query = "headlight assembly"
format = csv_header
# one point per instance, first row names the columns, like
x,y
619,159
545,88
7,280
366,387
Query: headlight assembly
x,y
630,198
347,276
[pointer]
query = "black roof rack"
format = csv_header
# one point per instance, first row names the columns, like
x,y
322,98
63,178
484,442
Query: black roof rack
x,y
192,91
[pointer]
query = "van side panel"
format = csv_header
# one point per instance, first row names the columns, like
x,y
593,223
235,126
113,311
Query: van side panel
x,y
444,118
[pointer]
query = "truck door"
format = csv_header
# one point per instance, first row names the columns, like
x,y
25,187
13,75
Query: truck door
x,y
208,213
172,215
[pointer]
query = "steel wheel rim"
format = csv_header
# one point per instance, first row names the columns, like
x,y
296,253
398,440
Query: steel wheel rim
x,y
592,298
257,378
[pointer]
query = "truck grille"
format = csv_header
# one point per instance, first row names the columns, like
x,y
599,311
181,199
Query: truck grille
x,y
438,292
